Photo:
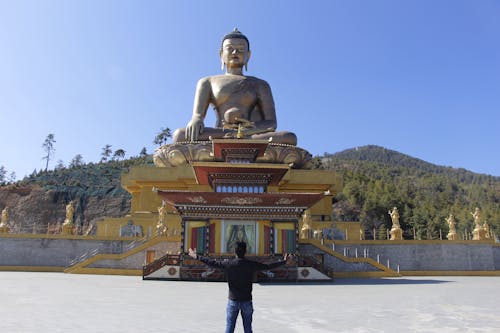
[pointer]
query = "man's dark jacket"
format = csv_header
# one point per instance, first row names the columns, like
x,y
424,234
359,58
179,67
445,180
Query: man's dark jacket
x,y
240,272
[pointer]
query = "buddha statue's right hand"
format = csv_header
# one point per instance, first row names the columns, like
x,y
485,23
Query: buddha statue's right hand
x,y
194,128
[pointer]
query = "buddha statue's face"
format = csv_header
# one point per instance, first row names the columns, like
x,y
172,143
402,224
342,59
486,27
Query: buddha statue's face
x,y
234,52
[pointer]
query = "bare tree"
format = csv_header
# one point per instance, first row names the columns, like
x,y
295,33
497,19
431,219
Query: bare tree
x,y
48,147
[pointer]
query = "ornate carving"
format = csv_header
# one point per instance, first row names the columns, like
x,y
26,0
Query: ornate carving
x,y
284,201
241,201
198,199
181,153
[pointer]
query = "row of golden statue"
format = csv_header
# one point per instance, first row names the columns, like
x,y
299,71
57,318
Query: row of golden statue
x,y
67,227
480,232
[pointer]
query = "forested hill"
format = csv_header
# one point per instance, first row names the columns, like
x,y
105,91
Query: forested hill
x,y
377,179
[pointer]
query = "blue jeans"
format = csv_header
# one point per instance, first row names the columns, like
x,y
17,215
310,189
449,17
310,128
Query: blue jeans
x,y
233,308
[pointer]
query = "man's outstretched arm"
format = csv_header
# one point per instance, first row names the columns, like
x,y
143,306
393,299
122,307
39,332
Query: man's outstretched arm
x,y
287,258
208,261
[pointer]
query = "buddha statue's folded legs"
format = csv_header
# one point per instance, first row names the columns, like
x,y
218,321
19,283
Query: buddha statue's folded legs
x,y
208,133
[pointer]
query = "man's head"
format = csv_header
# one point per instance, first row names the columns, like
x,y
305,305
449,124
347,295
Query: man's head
x,y
240,249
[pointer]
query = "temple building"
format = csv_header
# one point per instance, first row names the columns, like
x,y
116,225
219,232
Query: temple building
x,y
241,180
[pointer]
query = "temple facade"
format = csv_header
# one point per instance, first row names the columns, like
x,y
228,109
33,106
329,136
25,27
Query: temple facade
x,y
210,205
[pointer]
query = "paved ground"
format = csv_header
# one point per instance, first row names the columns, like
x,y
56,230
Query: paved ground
x,y
56,302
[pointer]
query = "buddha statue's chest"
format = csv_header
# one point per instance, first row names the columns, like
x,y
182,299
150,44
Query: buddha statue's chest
x,y
237,90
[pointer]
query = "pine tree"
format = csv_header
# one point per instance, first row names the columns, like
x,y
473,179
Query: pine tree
x,y
48,147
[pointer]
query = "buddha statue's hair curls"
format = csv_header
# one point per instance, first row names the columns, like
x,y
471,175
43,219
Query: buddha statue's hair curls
x,y
236,34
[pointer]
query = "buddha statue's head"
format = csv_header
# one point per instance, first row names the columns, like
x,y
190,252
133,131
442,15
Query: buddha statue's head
x,y
235,50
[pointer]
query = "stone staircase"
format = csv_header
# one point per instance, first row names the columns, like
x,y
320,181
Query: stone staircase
x,y
81,264
339,265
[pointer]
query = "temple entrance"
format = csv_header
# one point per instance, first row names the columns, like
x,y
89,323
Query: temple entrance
x,y
236,231
286,237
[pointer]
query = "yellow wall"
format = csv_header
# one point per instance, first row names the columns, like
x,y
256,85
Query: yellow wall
x,y
141,180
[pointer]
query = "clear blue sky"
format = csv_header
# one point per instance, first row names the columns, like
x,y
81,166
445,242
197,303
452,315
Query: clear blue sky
x,y
421,77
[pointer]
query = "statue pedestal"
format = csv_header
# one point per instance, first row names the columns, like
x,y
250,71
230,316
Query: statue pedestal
x,y
67,228
396,233
4,228
261,151
478,233
452,236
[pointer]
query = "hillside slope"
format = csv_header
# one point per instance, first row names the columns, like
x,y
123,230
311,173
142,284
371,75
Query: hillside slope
x,y
377,179
40,199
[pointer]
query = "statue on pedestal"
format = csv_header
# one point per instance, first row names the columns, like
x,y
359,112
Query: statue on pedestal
x,y
67,227
396,232
161,227
306,225
452,234
478,233
244,108
4,222
486,228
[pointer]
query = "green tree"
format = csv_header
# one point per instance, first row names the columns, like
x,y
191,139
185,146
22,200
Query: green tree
x,y
76,161
59,165
12,177
143,152
3,173
119,154
106,153
48,147
162,137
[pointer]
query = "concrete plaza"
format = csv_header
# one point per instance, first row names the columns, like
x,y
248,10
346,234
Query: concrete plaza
x,y
56,302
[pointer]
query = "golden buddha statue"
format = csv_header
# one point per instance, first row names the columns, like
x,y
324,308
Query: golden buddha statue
x,y
67,227
452,234
4,221
396,232
244,105
478,233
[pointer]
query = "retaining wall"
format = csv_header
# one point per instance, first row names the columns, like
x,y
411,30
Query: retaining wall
x,y
428,255
56,251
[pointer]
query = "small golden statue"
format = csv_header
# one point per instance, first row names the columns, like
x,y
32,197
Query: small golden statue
x,y
67,227
306,225
478,233
4,224
486,228
452,234
161,227
396,232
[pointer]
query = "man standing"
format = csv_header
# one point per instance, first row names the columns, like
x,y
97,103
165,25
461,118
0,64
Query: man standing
x,y
240,273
